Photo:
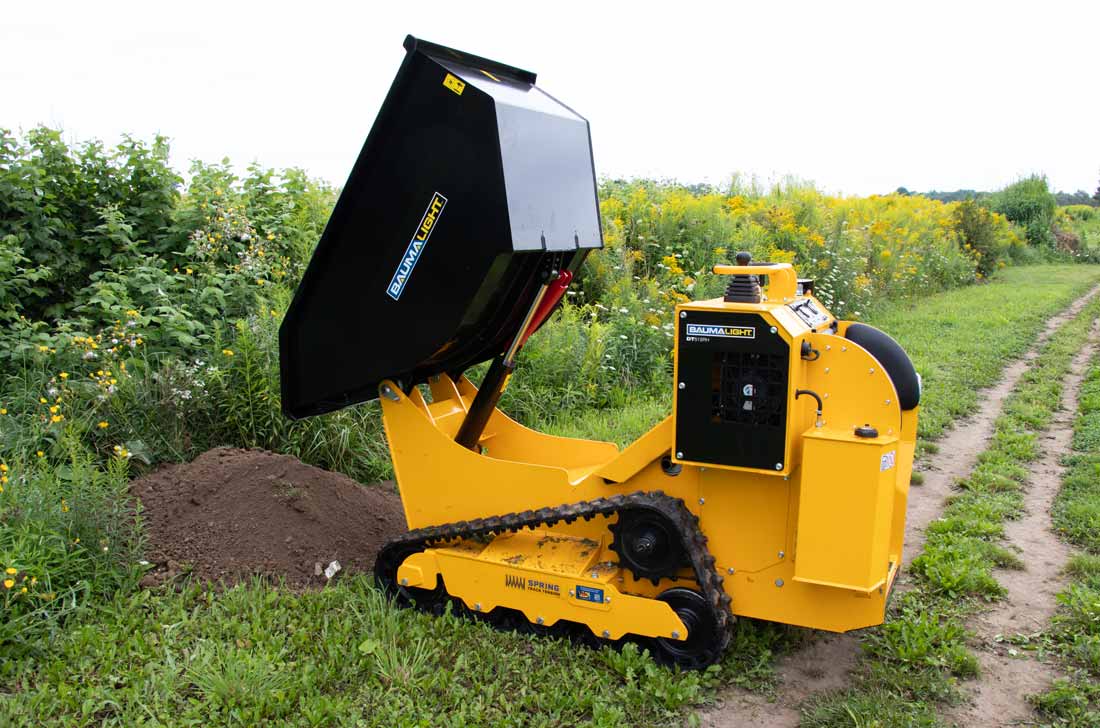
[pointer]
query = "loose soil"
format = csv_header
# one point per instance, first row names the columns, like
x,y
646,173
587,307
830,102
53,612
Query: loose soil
x,y
232,514
1009,675
798,675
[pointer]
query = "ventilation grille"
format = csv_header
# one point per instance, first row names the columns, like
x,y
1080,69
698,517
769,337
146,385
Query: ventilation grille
x,y
749,388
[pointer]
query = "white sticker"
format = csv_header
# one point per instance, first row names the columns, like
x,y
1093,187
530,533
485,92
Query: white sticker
x,y
887,460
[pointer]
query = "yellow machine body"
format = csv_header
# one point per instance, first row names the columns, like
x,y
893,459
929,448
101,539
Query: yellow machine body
x,y
813,540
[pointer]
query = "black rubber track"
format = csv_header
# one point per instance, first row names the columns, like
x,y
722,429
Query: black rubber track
x,y
713,597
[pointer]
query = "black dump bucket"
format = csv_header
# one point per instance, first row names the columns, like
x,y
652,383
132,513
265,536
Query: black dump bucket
x,y
472,184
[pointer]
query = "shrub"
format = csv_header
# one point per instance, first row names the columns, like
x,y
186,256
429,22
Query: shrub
x,y
1030,204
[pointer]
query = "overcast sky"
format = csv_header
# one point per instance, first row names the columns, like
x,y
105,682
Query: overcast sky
x,y
857,97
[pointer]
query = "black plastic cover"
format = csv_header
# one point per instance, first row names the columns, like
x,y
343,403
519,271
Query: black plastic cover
x,y
472,184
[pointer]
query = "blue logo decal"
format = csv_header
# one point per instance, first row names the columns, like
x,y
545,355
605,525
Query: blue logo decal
x,y
588,594
416,246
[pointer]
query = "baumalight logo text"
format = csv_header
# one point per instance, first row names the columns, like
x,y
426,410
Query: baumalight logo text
x,y
416,246
728,332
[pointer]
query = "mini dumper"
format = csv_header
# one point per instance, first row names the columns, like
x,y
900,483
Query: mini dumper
x,y
775,490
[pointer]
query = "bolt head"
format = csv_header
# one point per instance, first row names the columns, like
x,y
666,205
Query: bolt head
x,y
702,501
683,314
779,582
679,454
607,600
404,582
779,466
782,554
871,370
675,635
477,607
773,329
730,570
606,634
540,620
681,385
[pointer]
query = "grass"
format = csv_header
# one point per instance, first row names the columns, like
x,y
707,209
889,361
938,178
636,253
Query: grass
x,y
259,653
1075,632
917,659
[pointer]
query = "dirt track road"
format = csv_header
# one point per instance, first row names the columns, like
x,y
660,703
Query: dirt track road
x,y
827,661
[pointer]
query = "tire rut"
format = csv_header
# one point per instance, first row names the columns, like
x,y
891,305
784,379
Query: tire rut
x,y
1008,676
827,661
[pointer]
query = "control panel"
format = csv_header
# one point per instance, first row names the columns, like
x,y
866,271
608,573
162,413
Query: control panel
x,y
808,311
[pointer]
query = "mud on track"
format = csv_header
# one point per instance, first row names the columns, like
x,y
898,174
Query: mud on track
x,y
826,663
231,514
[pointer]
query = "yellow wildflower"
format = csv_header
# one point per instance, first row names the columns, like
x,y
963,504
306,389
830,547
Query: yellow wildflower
x,y
3,411
43,348
53,409
271,236
42,400
40,454
3,467
64,375
103,424
227,352
11,570
57,418
9,583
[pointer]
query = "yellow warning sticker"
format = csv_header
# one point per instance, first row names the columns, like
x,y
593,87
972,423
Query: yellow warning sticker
x,y
454,83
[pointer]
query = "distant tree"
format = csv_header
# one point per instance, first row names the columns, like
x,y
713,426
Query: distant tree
x,y
1080,197
1097,196
956,196
902,191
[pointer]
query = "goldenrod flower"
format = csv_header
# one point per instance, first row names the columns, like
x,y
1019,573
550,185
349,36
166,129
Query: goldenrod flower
x,y
9,583
103,425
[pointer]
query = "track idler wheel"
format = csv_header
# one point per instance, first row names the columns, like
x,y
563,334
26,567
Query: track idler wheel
x,y
704,643
649,544
434,601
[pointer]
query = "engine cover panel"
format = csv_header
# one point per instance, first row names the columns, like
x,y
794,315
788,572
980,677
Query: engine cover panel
x,y
733,380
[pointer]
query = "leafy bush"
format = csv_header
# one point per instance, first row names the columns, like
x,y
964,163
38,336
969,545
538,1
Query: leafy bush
x,y
1030,204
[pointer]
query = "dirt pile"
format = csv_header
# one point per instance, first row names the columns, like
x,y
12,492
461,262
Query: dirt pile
x,y
233,513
